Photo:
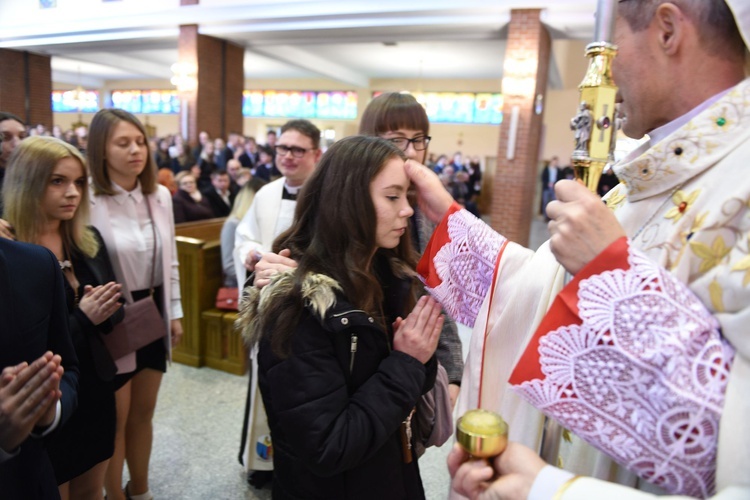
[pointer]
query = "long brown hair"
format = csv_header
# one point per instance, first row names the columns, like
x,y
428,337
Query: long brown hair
x,y
27,177
334,234
99,133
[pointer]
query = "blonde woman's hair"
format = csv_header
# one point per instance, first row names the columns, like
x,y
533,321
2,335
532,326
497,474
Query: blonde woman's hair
x,y
181,175
27,176
243,201
100,131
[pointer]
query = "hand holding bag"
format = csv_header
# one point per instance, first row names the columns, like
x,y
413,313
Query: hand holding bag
x,y
142,324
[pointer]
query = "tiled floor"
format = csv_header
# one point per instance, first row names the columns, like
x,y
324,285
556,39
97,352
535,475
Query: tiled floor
x,y
197,431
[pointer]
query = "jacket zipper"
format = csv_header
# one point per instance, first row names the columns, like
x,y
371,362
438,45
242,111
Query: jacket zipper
x,y
353,353
337,315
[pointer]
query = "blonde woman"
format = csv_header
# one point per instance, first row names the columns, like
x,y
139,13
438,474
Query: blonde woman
x,y
188,203
46,201
242,203
134,215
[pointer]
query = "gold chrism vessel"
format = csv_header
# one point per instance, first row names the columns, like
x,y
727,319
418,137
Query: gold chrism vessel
x,y
482,433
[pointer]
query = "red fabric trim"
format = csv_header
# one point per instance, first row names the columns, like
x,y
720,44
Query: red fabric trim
x,y
440,238
487,323
564,309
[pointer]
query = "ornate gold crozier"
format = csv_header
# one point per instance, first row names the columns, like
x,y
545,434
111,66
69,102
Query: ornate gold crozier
x,y
594,124
594,131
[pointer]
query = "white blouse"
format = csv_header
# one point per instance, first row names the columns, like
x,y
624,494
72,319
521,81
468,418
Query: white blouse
x,y
134,240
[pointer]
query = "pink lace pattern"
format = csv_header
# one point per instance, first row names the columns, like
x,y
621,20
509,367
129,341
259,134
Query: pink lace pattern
x,y
465,266
642,379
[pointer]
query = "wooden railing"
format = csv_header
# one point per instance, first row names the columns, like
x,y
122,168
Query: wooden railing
x,y
209,338
199,254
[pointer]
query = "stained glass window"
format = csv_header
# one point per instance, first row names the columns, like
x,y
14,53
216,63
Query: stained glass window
x,y
147,101
461,107
75,101
300,104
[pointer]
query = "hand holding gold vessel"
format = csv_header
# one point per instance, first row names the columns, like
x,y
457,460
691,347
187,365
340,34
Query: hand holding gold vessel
x,y
482,433
483,464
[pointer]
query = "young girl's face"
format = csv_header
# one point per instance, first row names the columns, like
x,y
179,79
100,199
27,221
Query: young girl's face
x,y
392,209
126,153
64,190
410,149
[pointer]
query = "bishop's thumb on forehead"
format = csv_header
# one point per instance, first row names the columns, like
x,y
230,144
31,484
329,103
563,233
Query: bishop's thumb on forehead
x,y
741,11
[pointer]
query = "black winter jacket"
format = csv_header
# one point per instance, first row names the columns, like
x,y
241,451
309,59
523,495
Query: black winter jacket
x,y
336,404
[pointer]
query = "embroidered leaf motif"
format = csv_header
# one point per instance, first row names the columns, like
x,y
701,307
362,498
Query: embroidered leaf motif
x,y
616,197
682,204
566,436
743,265
698,222
716,293
710,256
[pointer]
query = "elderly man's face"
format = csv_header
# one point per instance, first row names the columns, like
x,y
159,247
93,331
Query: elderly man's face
x,y
635,73
233,169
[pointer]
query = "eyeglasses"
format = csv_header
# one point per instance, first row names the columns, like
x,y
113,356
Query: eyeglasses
x,y
419,143
296,152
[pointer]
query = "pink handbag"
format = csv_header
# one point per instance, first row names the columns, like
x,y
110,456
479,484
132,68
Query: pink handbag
x,y
142,323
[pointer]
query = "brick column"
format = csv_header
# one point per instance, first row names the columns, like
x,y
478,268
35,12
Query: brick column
x,y
26,86
524,78
216,103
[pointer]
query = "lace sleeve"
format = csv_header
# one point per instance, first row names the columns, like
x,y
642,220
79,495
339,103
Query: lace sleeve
x,y
459,262
642,377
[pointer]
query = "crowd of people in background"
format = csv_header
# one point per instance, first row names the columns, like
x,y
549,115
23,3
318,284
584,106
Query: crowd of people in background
x,y
204,180
243,158
462,177
195,175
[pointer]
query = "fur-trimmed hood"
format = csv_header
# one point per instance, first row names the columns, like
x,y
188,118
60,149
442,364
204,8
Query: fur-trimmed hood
x,y
318,293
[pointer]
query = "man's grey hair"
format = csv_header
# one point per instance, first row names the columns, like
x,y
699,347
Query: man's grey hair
x,y
715,22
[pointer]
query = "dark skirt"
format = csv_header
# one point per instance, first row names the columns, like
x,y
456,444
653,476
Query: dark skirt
x,y
88,437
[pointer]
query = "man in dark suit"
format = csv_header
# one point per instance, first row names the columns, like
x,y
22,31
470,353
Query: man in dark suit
x,y
219,195
231,150
39,380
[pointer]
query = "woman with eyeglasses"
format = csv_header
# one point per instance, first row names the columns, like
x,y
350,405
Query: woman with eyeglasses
x,y
188,203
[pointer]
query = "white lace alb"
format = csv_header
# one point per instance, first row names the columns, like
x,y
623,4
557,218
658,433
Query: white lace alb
x,y
465,266
642,378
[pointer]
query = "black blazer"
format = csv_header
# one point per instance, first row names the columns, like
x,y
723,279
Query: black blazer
x,y
219,208
83,332
186,209
33,320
